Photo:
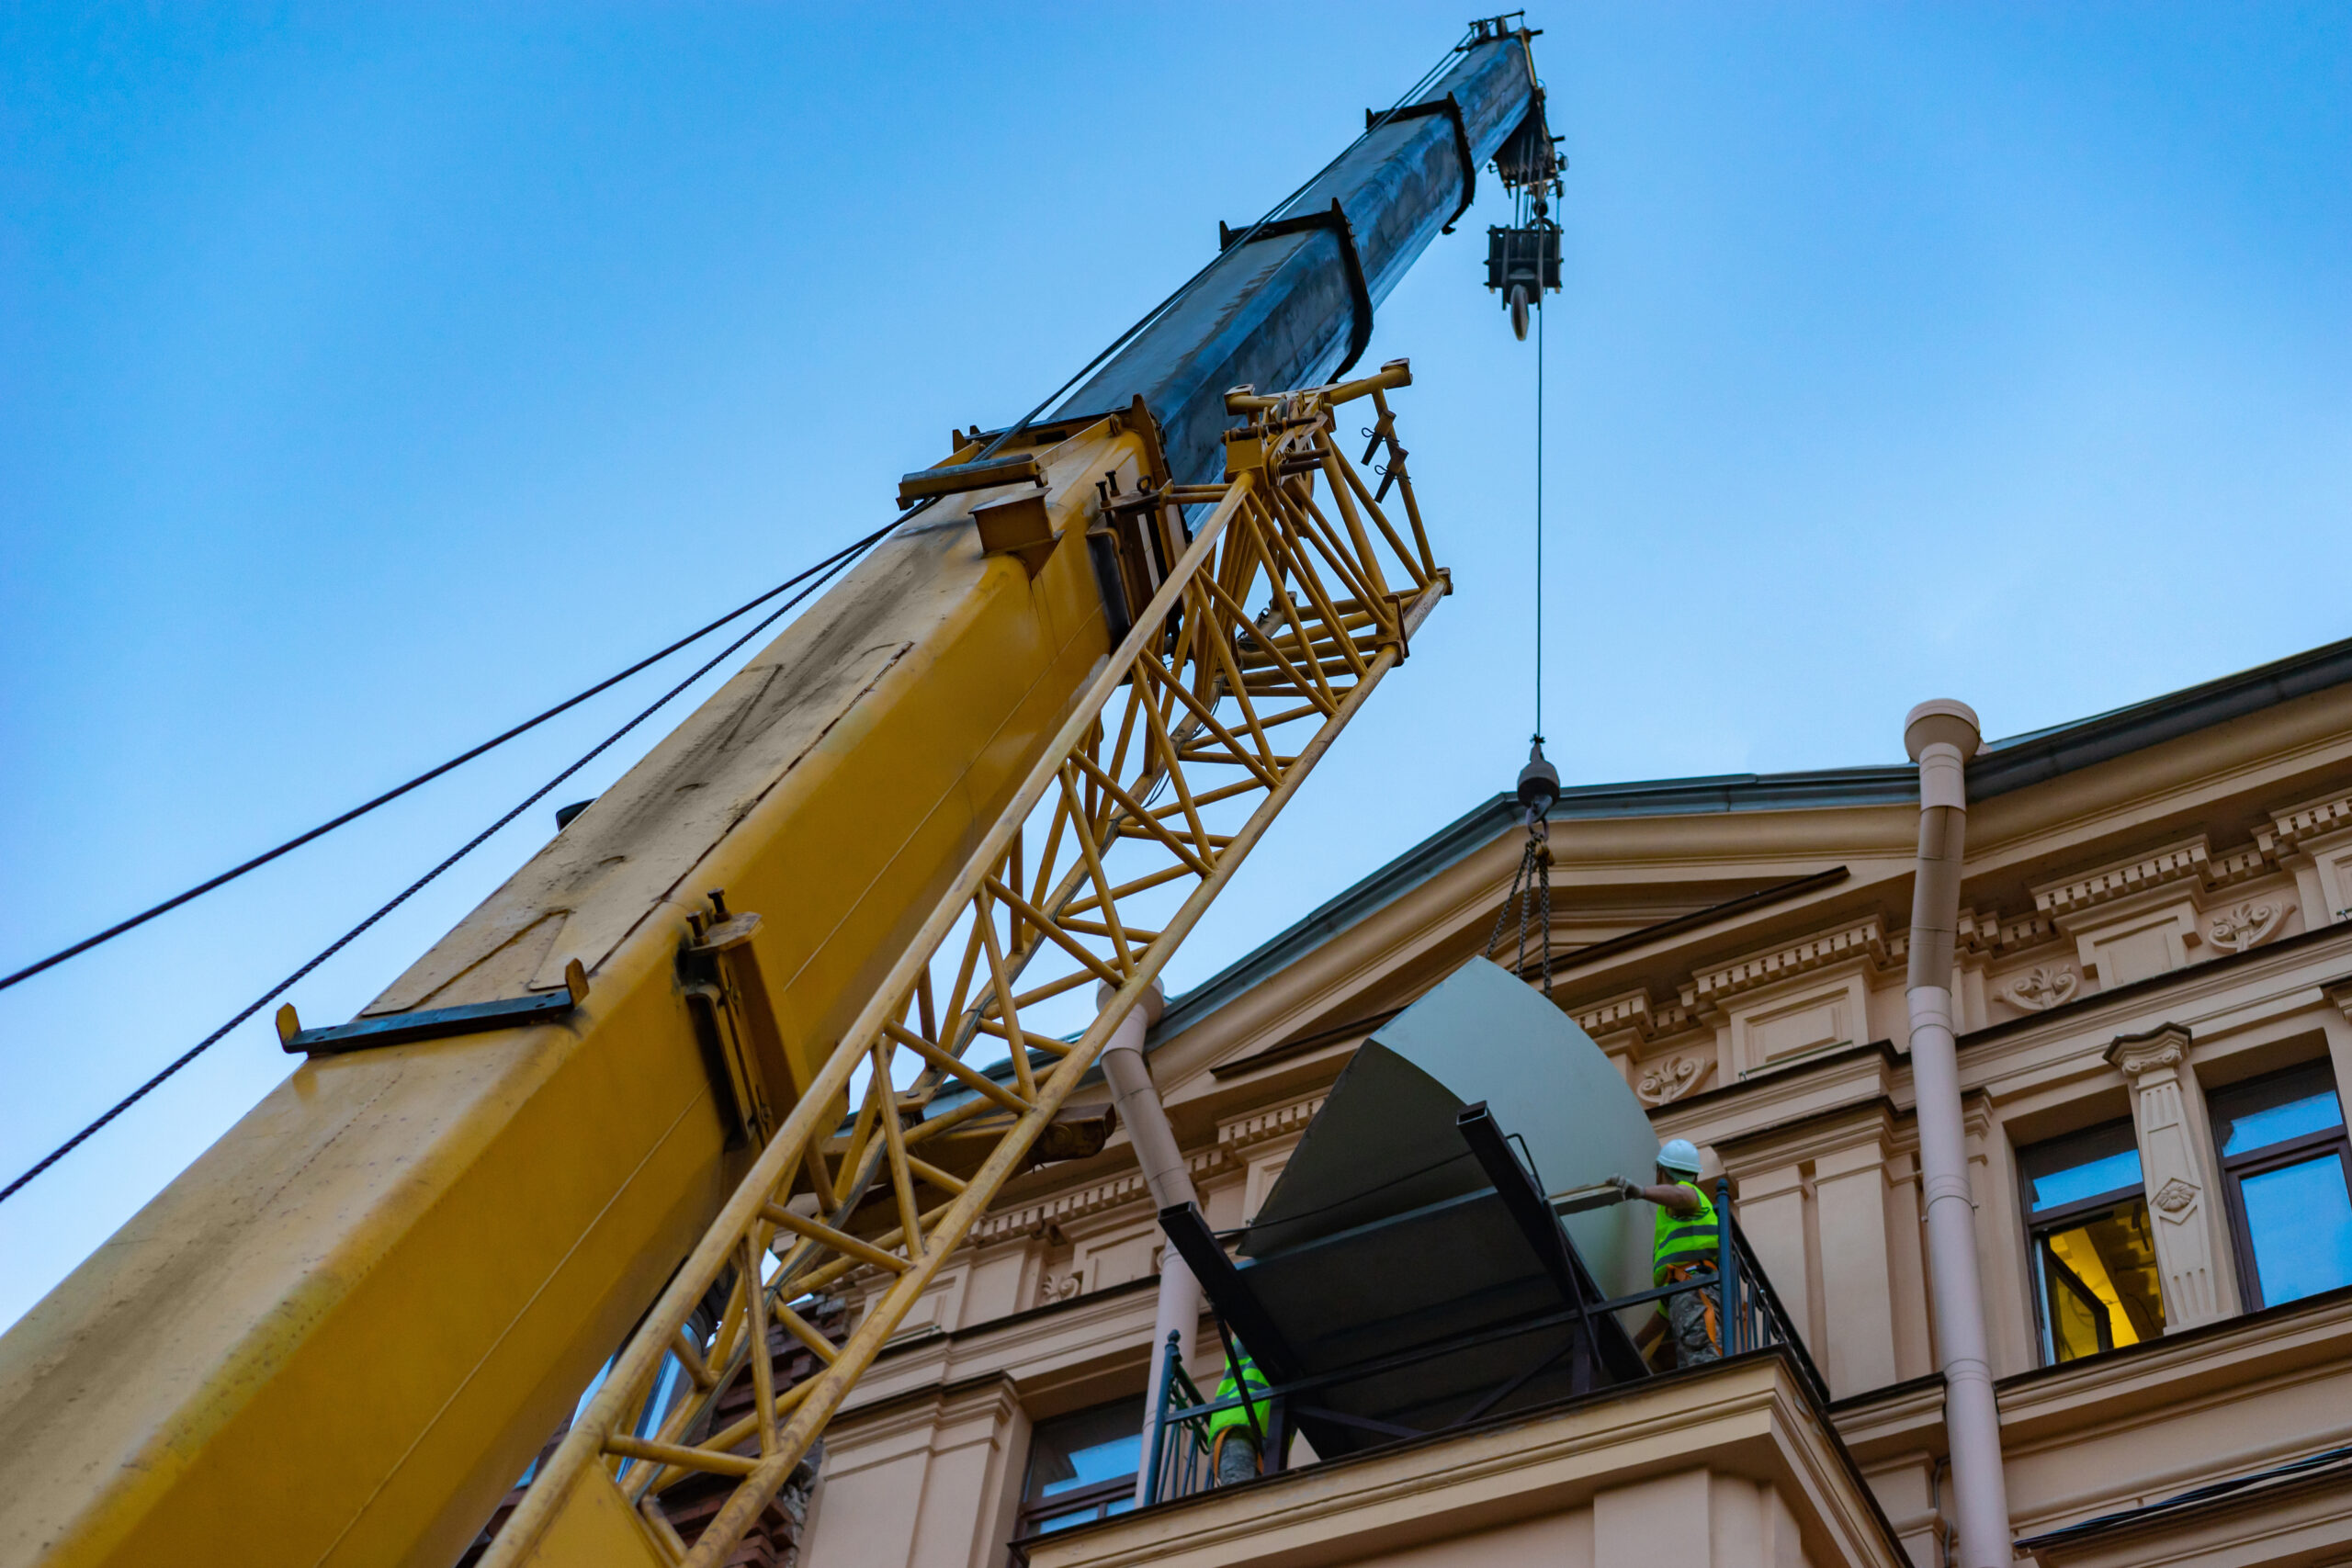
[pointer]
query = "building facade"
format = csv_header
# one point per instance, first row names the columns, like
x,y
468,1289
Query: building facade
x,y
2154,996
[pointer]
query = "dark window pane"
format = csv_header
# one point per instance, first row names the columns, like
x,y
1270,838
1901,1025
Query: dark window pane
x,y
1085,1449
2301,1221
2100,1282
2257,1115
2086,1164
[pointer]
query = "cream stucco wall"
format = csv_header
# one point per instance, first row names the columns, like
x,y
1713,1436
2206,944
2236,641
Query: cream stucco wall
x,y
2134,935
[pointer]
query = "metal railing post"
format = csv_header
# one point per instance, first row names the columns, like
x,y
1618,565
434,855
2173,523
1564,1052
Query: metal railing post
x,y
1726,1269
1171,1366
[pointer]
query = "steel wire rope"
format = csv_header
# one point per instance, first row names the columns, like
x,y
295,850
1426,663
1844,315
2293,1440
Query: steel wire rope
x,y
1154,314
1539,516
257,862
827,571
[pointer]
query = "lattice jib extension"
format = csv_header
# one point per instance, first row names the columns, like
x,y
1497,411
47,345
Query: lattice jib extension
x,y
1289,598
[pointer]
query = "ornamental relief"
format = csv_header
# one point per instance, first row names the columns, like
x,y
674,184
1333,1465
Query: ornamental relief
x,y
1665,1082
2173,1198
2043,988
2250,924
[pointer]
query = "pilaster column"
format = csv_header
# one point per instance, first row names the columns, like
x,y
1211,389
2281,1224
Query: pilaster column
x,y
1858,1276
1771,1207
2182,1175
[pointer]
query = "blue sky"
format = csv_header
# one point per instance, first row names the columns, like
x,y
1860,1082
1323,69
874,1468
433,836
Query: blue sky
x,y
370,377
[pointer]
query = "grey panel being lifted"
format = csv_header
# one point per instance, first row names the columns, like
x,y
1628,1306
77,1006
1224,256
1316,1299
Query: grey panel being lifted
x,y
1385,1140
1385,1240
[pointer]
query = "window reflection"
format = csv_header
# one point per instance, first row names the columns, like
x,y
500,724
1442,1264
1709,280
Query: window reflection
x,y
2272,1110
1083,1467
2283,1160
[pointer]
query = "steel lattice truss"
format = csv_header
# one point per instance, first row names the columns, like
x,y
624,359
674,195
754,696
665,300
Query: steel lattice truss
x,y
1294,594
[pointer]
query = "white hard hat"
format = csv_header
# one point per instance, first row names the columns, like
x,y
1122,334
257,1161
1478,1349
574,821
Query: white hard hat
x,y
1680,1154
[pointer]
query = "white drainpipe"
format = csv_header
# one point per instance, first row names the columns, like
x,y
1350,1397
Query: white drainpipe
x,y
1940,736
1146,1120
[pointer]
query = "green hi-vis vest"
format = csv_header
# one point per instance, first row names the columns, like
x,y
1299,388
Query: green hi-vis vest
x,y
1685,1241
1230,1388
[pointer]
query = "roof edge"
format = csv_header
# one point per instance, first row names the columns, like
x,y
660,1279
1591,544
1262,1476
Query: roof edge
x,y
2014,763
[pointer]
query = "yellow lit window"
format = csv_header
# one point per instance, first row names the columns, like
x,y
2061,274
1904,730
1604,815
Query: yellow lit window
x,y
2094,1256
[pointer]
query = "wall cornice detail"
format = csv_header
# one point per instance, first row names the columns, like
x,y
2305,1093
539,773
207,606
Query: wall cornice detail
x,y
1038,1218
2187,861
1867,939
1252,1130
1635,1010
1233,1140
2313,819
1989,932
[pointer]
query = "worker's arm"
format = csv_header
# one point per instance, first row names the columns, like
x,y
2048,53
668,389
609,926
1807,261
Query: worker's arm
x,y
1675,1198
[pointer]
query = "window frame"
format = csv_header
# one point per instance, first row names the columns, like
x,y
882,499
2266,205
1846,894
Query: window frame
x,y
2040,1223
1097,1496
2300,1149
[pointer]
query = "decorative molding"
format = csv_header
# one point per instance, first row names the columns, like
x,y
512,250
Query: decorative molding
x,y
1988,932
1648,1019
2044,988
1266,1127
1059,1288
2174,1196
2189,859
1032,1221
1233,1140
1666,1081
2250,924
2240,865
1712,988
2184,862
2167,1046
2313,819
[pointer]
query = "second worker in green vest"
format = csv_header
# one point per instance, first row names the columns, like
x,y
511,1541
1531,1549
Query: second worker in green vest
x,y
1235,1434
1684,1247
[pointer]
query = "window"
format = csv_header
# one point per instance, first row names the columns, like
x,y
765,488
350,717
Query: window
x,y
2093,1258
1083,1467
2284,1156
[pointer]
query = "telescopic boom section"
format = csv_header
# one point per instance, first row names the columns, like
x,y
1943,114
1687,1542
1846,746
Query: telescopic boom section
x,y
1267,630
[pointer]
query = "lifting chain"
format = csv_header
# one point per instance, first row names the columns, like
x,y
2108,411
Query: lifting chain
x,y
1531,895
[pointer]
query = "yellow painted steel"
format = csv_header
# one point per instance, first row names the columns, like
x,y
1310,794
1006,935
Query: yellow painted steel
x,y
1263,637
344,1331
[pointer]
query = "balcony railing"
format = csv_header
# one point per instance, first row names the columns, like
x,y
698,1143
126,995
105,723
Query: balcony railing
x,y
1749,1314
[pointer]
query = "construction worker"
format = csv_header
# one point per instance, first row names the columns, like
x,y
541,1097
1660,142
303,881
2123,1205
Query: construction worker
x,y
1234,1434
1684,1246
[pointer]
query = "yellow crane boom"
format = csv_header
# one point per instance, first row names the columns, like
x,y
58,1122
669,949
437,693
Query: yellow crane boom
x,y
735,1031
372,1299
1266,635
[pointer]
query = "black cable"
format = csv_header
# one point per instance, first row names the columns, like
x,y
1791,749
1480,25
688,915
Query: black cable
x,y
827,569
29,970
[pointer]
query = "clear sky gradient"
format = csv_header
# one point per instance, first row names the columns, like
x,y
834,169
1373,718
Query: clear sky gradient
x,y
372,377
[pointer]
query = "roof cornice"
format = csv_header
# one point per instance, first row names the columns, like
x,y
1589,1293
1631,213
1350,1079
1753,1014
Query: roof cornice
x,y
2018,763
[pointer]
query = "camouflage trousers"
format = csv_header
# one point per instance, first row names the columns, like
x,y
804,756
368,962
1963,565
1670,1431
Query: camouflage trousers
x,y
1695,1319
